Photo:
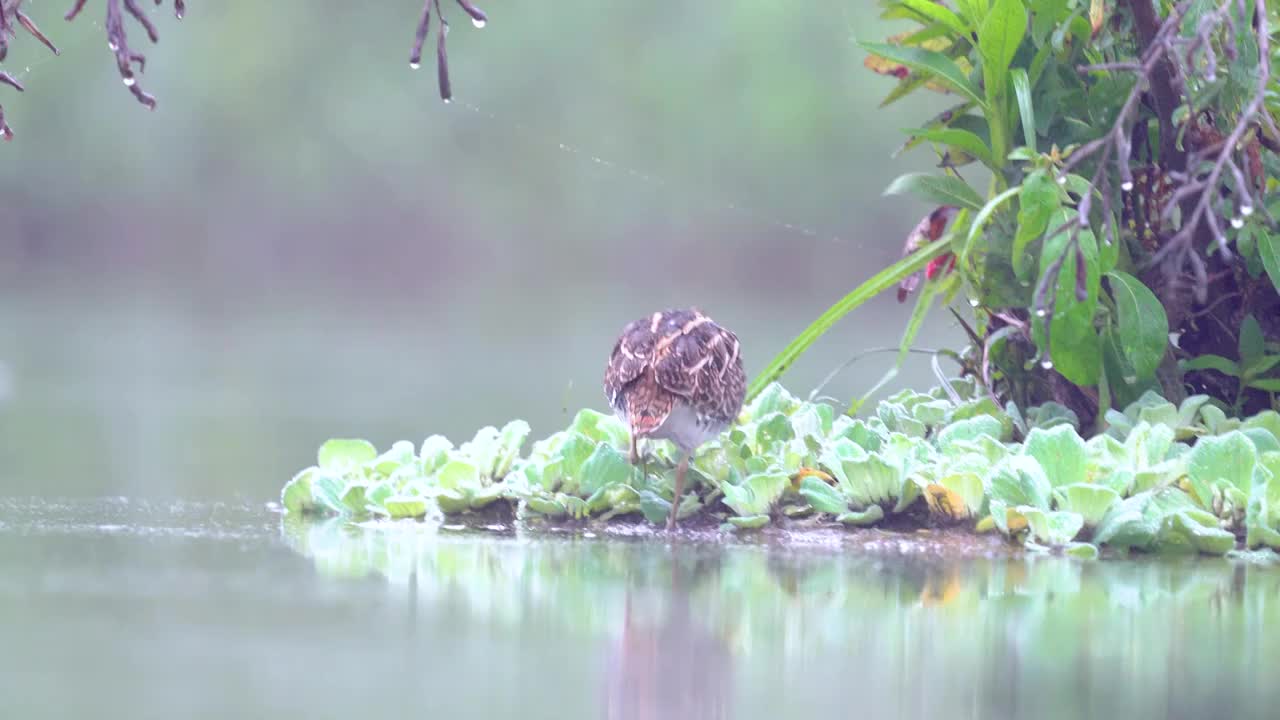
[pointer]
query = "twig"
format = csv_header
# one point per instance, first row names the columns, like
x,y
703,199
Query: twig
x,y
478,18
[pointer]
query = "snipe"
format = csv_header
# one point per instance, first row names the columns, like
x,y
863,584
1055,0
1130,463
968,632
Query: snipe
x,y
675,375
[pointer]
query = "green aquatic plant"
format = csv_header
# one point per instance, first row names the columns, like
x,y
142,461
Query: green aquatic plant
x,y
1163,478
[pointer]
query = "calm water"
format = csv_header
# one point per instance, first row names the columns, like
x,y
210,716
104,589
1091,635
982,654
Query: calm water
x,y
119,608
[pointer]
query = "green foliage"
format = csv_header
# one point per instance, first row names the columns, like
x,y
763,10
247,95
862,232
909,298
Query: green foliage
x,y
1074,208
1161,479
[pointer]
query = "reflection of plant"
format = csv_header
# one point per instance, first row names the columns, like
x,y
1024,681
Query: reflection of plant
x,y
1045,615
948,456
1130,148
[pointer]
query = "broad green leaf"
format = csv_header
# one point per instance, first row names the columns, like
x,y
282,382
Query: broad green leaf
x,y
938,13
401,506
1212,362
453,500
862,518
1051,528
1222,460
930,63
327,489
938,189
969,430
773,398
822,496
434,453
1141,323
1038,200
1075,348
510,441
654,507
377,494
1091,501
1136,521
599,427
1253,345
296,494
1019,480
749,522
401,453
606,466
757,494
1001,33
1271,385
1194,530
956,138
1081,550
956,495
353,497
551,507
458,475
344,455
1060,452
1269,250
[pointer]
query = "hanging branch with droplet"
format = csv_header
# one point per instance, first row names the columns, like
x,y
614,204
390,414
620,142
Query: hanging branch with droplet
x,y
11,16
11,13
478,18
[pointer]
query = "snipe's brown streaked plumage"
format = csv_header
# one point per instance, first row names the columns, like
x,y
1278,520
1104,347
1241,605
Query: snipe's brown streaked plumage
x,y
675,375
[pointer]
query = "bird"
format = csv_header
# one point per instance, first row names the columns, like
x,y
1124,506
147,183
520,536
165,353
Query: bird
x,y
675,375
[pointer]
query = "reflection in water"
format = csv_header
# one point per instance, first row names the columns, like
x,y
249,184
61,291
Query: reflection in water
x,y
694,630
674,668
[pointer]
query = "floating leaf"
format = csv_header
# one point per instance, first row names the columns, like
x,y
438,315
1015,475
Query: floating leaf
x,y
757,494
822,497
401,506
296,494
862,518
1051,528
1091,502
1060,452
343,455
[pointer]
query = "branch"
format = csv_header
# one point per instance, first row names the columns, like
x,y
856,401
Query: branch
x,y
478,18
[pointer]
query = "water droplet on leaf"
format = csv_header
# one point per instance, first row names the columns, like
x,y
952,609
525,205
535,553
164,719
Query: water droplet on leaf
x,y
1246,210
479,22
1062,179
974,302
1237,222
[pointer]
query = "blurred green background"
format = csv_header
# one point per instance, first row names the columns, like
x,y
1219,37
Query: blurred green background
x,y
303,241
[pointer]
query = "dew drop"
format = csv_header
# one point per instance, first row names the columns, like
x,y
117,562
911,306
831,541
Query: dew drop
x,y
1130,379
1237,222
1127,185
1041,312
479,22
1246,210
448,101
130,82
1047,364
974,302
112,46
415,65
1062,179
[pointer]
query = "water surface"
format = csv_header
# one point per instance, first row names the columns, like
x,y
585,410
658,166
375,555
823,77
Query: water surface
x,y
122,608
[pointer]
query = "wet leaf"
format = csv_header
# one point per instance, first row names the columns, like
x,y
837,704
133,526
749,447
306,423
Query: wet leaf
x,y
1141,323
606,466
344,455
937,189
1227,460
401,506
822,497
1038,200
862,518
928,62
757,494
1051,528
296,494
1060,452
1091,502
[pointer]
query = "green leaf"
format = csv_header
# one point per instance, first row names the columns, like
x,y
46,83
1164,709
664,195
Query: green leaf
x,y
878,283
1060,452
1075,348
606,466
1051,528
928,62
1269,250
1224,460
1038,200
870,516
458,475
980,220
1022,87
956,138
1001,34
749,522
1194,530
1271,385
757,494
822,496
969,430
295,496
1212,362
1091,501
938,13
1136,522
654,507
1253,345
1019,480
343,455
404,506
1141,323
353,498
938,189
327,489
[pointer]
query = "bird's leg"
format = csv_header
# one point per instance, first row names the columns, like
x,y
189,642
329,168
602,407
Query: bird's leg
x,y
639,459
681,470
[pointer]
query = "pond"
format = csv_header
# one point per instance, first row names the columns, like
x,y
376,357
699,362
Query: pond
x,y
130,608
